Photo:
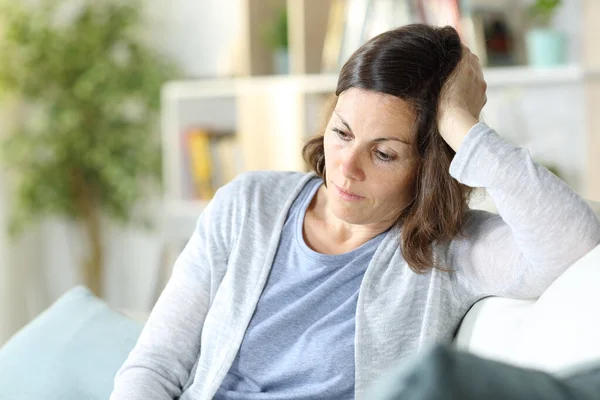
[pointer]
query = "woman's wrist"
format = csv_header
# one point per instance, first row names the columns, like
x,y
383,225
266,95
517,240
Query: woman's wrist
x,y
454,125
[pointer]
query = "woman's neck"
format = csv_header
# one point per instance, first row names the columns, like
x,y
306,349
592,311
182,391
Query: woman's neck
x,y
326,233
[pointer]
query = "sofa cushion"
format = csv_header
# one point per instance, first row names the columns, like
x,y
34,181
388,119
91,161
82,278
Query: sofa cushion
x,y
71,351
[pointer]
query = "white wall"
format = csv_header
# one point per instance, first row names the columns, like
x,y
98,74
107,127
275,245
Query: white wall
x,y
569,19
20,293
131,260
179,28
549,121
12,311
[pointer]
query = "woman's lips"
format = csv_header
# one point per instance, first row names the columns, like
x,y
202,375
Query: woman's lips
x,y
347,195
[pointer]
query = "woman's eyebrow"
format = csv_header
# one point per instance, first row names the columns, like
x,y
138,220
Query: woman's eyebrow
x,y
378,140
343,121
396,139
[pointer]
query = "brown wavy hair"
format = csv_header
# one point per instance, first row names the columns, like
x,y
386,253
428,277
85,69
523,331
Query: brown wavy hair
x,y
412,63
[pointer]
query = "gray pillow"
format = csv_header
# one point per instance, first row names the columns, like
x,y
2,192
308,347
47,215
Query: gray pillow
x,y
444,373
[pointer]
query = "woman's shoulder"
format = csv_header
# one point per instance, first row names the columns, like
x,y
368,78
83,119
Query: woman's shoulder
x,y
257,196
270,179
259,187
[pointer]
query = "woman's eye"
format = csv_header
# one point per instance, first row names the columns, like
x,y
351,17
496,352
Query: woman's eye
x,y
341,134
383,156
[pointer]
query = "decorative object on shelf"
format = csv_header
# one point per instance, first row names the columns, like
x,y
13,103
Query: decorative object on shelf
x,y
546,46
84,144
276,37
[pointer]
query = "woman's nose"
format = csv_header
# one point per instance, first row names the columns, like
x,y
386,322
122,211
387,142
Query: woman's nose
x,y
351,168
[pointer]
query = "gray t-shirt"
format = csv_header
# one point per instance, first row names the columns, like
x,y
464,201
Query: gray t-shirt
x,y
306,309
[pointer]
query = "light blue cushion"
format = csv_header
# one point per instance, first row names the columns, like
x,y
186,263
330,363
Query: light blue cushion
x,y
72,351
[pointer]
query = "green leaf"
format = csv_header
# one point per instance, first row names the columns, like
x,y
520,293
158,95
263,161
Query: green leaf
x,y
91,90
541,12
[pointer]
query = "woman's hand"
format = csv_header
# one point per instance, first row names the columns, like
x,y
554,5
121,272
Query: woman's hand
x,y
462,98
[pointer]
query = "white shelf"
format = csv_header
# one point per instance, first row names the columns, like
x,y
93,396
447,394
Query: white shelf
x,y
529,76
326,83
191,89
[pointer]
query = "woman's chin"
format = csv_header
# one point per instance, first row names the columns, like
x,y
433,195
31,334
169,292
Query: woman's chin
x,y
349,214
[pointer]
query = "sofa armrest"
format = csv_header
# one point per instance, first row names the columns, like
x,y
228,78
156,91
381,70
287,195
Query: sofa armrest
x,y
492,326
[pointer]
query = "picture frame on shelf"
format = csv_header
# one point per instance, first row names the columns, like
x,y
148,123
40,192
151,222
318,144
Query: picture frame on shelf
x,y
498,37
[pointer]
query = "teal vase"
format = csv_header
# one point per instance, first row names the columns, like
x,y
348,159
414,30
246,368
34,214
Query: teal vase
x,y
281,61
546,47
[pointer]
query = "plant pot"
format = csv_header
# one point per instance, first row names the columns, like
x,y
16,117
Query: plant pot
x,y
281,61
546,47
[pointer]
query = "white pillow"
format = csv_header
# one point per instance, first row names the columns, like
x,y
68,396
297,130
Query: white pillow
x,y
562,330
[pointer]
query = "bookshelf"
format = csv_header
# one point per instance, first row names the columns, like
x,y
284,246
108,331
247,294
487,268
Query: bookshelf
x,y
179,114
272,115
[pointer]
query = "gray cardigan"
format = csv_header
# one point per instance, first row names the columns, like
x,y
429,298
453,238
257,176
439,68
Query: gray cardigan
x,y
197,325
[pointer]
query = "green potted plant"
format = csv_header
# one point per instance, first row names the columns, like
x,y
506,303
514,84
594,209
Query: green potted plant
x,y
276,38
546,46
85,146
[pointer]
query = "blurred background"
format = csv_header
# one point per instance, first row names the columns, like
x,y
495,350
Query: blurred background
x,y
119,119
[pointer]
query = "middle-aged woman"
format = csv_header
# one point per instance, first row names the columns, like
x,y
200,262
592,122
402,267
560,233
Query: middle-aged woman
x,y
308,286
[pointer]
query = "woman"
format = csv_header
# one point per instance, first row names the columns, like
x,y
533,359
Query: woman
x,y
309,286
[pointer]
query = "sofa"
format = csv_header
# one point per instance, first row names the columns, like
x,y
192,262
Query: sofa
x,y
557,332
73,350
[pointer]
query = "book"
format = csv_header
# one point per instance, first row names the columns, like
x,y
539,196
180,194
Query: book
x,y
198,145
213,158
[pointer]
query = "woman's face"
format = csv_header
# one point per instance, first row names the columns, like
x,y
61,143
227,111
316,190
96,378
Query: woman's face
x,y
369,157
